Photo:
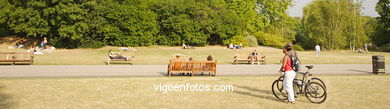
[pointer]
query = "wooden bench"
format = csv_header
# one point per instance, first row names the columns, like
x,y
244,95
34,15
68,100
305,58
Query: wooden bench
x,y
192,67
13,57
243,59
260,59
249,59
130,61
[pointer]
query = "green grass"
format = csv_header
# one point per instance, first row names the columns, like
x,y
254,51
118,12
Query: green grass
x,y
359,91
161,55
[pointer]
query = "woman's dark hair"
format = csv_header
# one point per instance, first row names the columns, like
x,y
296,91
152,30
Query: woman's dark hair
x,y
288,47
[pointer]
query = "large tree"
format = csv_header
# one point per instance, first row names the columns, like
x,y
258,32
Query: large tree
x,y
334,24
383,28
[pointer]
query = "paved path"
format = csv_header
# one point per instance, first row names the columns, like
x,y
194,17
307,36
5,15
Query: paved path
x,y
37,71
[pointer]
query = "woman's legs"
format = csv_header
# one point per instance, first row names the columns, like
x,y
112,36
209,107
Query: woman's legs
x,y
288,84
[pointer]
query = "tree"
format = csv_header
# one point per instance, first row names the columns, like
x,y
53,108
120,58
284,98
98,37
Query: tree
x,y
334,24
96,23
383,28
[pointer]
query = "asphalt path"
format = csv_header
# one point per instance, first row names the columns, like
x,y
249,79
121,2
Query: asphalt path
x,y
69,71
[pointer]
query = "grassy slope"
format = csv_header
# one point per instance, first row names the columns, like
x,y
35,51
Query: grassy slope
x,y
368,91
161,55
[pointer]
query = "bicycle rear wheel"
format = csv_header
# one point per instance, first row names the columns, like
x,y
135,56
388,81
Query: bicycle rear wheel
x,y
315,92
278,90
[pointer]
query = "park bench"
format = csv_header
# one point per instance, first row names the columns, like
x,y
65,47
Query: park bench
x,y
13,58
260,59
249,59
192,67
130,61
243,59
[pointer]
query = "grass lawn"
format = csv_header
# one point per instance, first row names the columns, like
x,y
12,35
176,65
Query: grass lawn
x,y
352,91
161,55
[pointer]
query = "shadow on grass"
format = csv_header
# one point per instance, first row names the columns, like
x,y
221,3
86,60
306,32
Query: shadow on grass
x,y
5,103
267,93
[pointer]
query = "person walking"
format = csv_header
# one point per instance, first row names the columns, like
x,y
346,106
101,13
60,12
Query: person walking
x,y
365,47
289,74
318,50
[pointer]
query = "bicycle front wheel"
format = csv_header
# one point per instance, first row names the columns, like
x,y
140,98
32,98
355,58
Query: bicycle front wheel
x,y
315,92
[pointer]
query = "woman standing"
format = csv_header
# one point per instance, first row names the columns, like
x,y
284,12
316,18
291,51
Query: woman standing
x,y
289,74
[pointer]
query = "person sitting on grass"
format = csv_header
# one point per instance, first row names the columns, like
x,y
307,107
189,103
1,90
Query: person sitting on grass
x,y
114,55
231,46
184,46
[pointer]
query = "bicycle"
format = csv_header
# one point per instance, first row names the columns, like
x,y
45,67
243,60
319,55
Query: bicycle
x,y
313,88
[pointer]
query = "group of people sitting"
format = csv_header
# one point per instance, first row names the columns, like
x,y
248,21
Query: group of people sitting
x,y
231,46
39,51
181,57
184,46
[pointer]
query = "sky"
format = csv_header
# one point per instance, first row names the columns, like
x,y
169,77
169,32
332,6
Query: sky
x,y
368,8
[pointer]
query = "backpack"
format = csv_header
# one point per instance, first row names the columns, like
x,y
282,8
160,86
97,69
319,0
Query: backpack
x,y
295,63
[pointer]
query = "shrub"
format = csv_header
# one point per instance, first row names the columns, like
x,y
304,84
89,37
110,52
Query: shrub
x,y
385,48
298,48
268,39
251,41
236,40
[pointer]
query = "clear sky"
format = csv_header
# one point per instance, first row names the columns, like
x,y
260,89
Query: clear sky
x,y
368,8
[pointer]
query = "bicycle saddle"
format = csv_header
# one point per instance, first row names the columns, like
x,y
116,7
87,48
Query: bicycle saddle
x,y
309,67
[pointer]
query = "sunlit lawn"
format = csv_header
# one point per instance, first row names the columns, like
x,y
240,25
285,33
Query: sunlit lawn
x,y
368,91
161,55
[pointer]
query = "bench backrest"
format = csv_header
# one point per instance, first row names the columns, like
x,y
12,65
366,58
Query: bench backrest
x,y
6,56
15,56
193,65
181,65
23,56
205,65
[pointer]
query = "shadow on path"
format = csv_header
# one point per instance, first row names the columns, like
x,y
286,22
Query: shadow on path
x,y
163,74
360,71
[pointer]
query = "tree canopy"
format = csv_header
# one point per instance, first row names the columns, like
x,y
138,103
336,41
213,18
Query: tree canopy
x,y
96,23
334,24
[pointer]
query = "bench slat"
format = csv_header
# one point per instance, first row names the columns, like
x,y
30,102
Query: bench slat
x,y
192,67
